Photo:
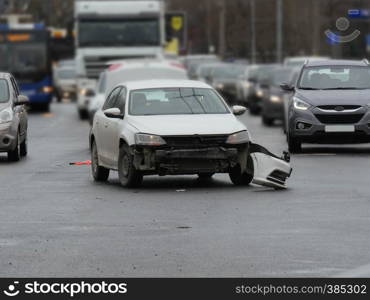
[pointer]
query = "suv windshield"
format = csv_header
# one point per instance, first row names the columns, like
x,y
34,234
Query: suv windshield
x,y
336,77
176,101
4,91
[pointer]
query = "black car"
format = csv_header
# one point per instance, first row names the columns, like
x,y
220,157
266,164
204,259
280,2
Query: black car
x,y
262,84
273,99
330,104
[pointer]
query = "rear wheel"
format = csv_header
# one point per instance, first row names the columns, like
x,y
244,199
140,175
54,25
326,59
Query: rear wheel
x,y
128,175
99,173
267,121
245,178
82,114
15,154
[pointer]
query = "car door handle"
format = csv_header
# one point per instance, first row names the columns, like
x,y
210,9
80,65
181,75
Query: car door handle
x,y
106,125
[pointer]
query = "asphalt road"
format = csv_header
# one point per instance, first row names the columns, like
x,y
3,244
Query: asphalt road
x,y
55,221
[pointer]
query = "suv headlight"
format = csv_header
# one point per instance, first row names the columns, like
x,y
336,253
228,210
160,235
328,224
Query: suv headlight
x,y
300,104
241,137
143,139
6,115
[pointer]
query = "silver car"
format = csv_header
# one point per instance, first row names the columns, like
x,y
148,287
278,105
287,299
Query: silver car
x,y
13,119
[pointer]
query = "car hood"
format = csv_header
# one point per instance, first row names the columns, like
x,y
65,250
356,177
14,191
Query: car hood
x,y
277,91
187,124
332,97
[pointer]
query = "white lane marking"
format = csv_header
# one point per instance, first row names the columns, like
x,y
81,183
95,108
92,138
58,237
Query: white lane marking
x,y
363,272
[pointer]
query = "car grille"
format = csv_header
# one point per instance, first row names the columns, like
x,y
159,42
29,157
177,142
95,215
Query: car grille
x,y
195,140
278,177
339,107
339,118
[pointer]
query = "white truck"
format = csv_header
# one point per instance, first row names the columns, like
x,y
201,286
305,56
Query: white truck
x,y
114,30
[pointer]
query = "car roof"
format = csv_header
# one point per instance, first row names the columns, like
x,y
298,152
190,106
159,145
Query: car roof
x,y
4,75
153,84
337,62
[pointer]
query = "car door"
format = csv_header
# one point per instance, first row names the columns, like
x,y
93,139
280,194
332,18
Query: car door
x,y
115,126
102,124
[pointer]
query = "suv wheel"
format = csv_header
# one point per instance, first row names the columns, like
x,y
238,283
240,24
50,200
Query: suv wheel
x,y
15,154
294,144
267,121
127,173
99,173
245,178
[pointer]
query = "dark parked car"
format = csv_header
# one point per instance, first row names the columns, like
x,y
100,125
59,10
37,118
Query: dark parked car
x,y
225,78
13,119
273,99
262,81
330,104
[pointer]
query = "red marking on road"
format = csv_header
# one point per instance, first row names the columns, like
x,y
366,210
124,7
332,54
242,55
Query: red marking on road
x,y
82,163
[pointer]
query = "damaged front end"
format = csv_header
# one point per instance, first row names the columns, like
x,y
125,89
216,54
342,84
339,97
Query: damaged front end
x,y
187,155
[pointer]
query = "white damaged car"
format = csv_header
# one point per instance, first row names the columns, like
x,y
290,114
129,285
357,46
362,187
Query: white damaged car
x,y
177,127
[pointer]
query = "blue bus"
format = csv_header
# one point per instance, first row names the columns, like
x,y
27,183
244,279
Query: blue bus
x,y
25,52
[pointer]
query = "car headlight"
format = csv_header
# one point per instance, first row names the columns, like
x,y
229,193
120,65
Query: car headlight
x,y
259,93
220,86
300,104
240,137
6,115
47,89
275,99
143,139
83,92
247,85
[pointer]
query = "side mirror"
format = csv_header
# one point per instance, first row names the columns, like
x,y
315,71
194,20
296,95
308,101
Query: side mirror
x,y
114,113
287,87
90,93
22,100
238,110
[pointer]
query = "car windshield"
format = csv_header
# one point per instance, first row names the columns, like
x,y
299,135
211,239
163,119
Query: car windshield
x,y
118,33
67,74
229,71
335,77
4,91
176,101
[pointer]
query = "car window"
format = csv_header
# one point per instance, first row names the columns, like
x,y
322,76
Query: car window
x,y
111,100
15,86
4,91
121,100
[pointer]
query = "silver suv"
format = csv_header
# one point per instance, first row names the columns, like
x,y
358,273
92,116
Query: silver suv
x,y
13,118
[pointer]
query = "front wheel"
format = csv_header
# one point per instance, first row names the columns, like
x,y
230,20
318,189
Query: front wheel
x,y
242,179
267,121
99,173
294,144
128,175
15,154
24,147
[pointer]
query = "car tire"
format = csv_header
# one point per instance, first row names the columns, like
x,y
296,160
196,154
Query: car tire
x,y
294,144
267,121
242,179
128,175
24,147
82,114
99,173
15,155
205,176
